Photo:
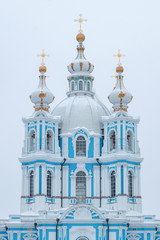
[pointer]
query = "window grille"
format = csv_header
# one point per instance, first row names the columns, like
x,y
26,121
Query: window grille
x,y
112,138
49,184
72,86
81,146
80,85
88,86
129,141
81,187
113,184
32,141
130,184
31,183
49,141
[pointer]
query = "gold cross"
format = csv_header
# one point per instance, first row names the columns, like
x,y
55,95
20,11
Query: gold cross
x,y
119,55
42,55
80,20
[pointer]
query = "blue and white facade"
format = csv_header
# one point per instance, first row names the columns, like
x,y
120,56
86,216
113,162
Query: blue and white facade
x,y
81,165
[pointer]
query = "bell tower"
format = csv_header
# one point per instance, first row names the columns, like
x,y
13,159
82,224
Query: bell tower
x,y
121,150
41,146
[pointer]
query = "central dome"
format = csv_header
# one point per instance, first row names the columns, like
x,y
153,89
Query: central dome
x,y
81,111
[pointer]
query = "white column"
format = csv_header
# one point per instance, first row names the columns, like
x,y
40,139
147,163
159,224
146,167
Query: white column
x,y
88,192
108,184
118,179
96,146
36,179
138,169
96,181
124,136
125,179
65,147
43,136
65,181
23,181
43,179
104,180
38,138
119,135
26,138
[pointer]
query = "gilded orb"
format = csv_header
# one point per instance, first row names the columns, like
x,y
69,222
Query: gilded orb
x,y
80,37
42,69
119,69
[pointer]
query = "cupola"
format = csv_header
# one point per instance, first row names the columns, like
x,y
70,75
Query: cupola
x,y
120,97
80,80
42,97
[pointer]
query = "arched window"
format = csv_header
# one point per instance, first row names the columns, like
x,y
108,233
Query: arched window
x,y
49,140
80,85
129,141
81,146
112,140
88,86
31,184
72,86
32,140
49,183
130,184
81,187
113,184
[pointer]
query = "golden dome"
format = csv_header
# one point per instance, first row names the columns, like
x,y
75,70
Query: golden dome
x,y
42,69
119,69
80,37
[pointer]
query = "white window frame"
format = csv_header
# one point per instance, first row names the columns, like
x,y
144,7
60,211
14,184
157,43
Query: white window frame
x,y
29,183
88,84
52,141
113,149
79,82
72,86
110,182
78,201
132,183
32,144
51,183
132,140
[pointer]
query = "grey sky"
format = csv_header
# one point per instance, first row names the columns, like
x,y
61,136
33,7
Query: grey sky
x,y
29,26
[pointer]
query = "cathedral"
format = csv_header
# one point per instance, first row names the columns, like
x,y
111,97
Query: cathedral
x,y
81,164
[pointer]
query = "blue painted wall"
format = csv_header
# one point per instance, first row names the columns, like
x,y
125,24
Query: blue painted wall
x,y
91,148
70,148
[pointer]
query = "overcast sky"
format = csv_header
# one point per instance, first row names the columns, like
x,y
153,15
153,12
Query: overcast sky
x,y
27,27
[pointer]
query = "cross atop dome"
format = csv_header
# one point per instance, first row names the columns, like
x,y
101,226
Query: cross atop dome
x,y
42,68
43,55
80,20
120,97
119,55
42,97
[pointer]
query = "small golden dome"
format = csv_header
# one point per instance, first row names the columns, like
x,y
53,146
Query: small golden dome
x,y
42,69
80,37
119,69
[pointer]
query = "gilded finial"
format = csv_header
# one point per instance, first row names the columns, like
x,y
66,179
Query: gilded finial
x,y
80,20
42,55
119,55
42,68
